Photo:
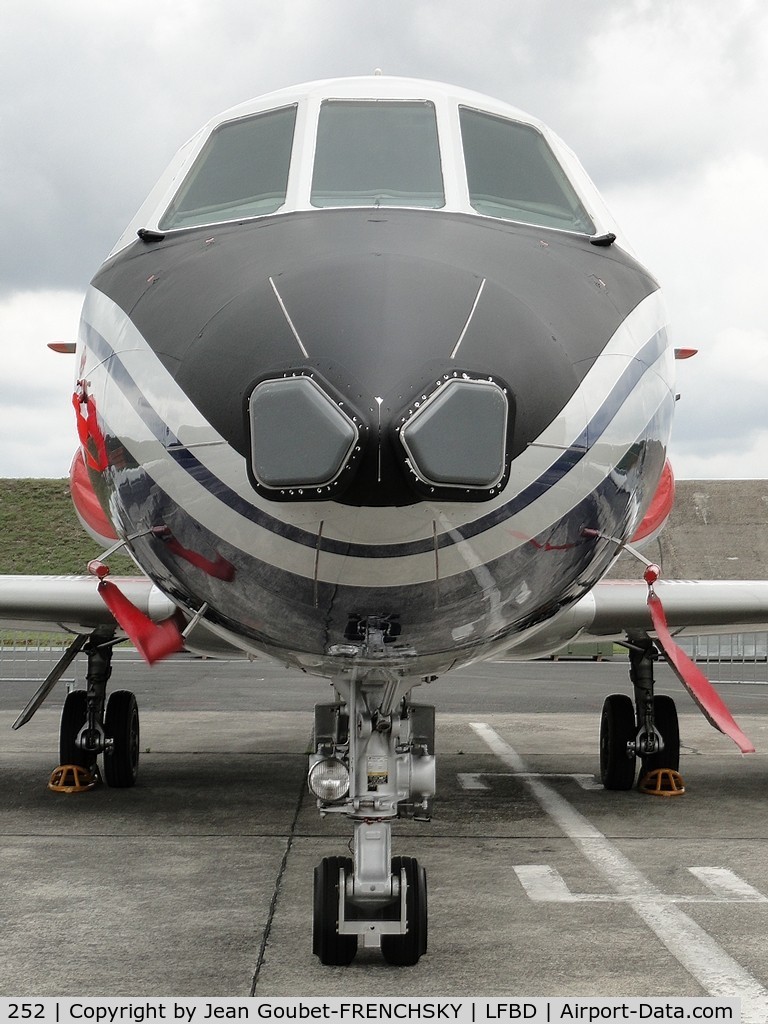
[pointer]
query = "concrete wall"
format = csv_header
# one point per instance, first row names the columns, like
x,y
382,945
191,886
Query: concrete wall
x,y
718,529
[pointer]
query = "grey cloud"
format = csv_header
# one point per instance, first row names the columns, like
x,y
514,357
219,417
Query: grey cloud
x,y
95,99
94,108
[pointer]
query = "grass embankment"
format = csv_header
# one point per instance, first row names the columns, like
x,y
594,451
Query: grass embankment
x,y
40,532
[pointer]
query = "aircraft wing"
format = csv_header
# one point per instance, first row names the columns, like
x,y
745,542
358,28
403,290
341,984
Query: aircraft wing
x,y
73,603
614,607
671,607
610,609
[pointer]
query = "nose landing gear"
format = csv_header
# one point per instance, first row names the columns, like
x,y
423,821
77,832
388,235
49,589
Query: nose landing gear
x,y
373,761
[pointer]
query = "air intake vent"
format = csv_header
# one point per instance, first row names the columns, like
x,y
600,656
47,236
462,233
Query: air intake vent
x,y
303,441
455,440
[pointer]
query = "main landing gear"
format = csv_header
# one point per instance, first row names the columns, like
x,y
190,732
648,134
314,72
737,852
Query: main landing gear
x,y
648,730
91,724
373,761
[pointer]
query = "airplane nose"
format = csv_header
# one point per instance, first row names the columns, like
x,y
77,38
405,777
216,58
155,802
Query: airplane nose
x,y
377,375
451,374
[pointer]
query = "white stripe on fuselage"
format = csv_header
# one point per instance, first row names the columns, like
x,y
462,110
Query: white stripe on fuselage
x,y
381,526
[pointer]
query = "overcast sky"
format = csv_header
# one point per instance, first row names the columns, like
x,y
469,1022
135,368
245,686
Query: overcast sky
x,y
664,101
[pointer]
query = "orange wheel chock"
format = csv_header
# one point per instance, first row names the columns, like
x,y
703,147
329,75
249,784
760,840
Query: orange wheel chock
x,y
71,778
662,782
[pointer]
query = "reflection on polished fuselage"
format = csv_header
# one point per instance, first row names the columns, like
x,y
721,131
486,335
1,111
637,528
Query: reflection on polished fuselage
x,y
375,381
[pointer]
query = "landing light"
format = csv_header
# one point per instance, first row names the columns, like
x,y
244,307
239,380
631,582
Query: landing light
x,y
328,780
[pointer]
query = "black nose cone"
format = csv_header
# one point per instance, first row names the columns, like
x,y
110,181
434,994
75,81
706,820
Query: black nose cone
x,y
381,311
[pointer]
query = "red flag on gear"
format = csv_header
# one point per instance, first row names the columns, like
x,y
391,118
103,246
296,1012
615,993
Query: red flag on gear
x,y
154,640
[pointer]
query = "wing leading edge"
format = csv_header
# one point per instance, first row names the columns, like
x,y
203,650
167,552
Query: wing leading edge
x,y
613,608
616,607
73,603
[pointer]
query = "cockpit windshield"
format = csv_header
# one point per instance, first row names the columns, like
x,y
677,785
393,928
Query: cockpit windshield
x,y
513,174
368,152
241,172
377,153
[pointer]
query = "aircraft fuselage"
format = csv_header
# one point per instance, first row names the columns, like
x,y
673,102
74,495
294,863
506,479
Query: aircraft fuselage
x,y
375,432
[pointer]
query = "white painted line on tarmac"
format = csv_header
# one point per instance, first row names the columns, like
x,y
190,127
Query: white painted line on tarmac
x,y
717,972
545,884
474,780
727,884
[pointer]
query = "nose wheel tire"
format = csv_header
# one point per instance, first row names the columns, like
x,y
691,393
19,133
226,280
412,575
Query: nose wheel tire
x,y
665,720
121,724
617,729
332,949
405,950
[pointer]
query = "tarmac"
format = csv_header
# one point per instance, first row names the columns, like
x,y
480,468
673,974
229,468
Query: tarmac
x,y
198,881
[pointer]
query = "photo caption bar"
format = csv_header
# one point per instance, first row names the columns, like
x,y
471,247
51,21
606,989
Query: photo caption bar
x,y
201,1010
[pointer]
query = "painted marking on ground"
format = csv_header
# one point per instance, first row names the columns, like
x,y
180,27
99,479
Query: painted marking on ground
x,y
474,780
728,886
545,884
714,969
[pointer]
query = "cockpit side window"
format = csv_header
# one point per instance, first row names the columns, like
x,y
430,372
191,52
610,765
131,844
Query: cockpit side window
x,y
377,153
241,172
513,174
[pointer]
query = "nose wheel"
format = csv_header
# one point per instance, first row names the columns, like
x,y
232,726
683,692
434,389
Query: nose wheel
x,y
333,949
405,950
334,916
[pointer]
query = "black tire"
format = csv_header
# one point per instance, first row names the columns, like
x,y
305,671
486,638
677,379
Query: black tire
x,y
665,718
405,950
334,950
617,729
121,725
73,717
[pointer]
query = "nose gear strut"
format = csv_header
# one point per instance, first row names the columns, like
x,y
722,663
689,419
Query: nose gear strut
x,y
385,745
